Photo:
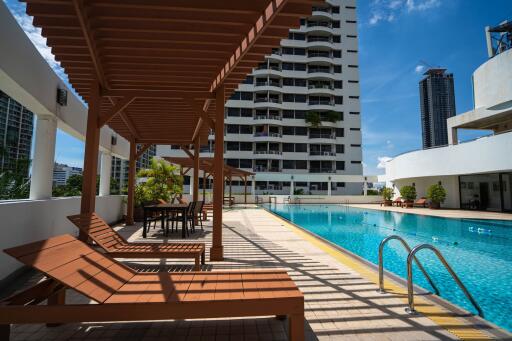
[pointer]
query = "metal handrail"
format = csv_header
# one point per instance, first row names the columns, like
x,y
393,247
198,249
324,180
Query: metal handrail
x,y
410,293
408,248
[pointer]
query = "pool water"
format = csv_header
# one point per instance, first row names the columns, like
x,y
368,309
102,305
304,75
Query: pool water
x,y
479,251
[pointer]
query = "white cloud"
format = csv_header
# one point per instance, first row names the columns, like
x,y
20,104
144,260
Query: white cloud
x,y
389,10
419,68
382,161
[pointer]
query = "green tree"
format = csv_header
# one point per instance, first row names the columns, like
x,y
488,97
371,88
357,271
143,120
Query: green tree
x,y
408,193
14,183
387,193
436,193
162,181
313,118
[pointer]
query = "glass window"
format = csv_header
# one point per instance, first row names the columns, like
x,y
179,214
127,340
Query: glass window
x,y
300,114
232,128
335,9
340,148
232,162
235,95
300,82
288,114
287,50
233,112
337,68
288,131
301,131
335,24
289,164
287,66
301,164
300,67
288,82
336,39
288,147
299,52
301,148
338,99
245,129
338,84
336,54
246,96
300,98
249,80
245,163
246,146
340,165
340,132
232,146
246,112
288,97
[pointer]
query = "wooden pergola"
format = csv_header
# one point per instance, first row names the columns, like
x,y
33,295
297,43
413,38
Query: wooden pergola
x,y
159,71
206,165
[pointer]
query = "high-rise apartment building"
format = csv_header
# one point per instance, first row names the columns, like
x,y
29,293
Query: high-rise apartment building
x,y
295,120
16,129
62,172
120,167
437,103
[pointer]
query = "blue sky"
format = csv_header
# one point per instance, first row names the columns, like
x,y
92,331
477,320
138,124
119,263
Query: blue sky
x,y
397,38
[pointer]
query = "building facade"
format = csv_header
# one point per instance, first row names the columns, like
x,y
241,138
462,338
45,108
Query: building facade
x,y
476,174
119,170
61,173
16,129
437,104
295,120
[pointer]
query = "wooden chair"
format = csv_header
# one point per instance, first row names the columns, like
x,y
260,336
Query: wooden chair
x,y
198,210
397,202
118,247
122,294
422,202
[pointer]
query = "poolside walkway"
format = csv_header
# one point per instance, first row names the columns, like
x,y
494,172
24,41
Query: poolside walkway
x,y
340,302
445,213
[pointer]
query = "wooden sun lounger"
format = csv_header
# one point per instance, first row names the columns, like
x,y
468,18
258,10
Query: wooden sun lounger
x,y
116,246
123,294
422,202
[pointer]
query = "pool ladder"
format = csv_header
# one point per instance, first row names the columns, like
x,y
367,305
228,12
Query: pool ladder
x,y
412,256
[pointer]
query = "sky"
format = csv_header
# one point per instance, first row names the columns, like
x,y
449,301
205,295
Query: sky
x,y
398,39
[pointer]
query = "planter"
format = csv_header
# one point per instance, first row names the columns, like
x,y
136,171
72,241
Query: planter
x,y
408,204
435,205
388,202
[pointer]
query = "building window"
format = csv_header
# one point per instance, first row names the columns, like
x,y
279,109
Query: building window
x,y
245,163
301,148
340,165
340,132
340,148
337,68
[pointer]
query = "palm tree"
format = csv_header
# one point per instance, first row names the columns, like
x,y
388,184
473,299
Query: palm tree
x,y
162,180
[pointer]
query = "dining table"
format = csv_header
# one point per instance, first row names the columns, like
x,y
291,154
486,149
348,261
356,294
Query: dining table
x,y
165,210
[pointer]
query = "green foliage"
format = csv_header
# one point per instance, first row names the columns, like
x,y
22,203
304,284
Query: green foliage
x,y
15,184
72,188
162,182
387,193
313,118
408,193
298,191
436,193
333,116
372,192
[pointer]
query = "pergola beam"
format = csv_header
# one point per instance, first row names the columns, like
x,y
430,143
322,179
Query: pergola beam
x,y
116,109
86,30
142,149
191,100
167,94
126,120
250,38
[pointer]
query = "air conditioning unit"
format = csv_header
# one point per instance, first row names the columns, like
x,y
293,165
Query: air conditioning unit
x,y
62,97
113,140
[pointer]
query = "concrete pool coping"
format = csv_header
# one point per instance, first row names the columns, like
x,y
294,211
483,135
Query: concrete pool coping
x,y
398,285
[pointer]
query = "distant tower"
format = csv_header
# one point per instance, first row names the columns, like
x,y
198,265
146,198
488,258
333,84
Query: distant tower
x,y
437,102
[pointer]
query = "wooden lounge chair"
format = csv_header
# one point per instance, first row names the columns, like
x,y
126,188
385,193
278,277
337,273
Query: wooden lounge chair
x,y
397,202
116,246
422,202
122,294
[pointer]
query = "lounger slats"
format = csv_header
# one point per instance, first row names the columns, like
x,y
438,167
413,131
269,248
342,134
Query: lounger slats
x,y
76,265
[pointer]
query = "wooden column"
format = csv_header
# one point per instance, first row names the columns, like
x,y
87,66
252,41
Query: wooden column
x,y
216,251
92,142
205,181
131,183
245,189
195,193
230,190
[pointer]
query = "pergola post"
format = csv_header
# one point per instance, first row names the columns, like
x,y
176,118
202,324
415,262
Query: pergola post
x,y
131,183
216,251
245,189
92,141
195,193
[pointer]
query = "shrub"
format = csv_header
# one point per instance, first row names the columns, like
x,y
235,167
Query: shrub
x,y
298,191
408,193
333,116
436,193
313,118
387,193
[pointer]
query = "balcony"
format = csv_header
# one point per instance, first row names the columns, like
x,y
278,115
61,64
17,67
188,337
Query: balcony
x,y
320,86
267,100
315,39
266,134
266,169
321,153
319,24
322,170
267,152
268,117
323,54
320,102
319,70
268,83
322,136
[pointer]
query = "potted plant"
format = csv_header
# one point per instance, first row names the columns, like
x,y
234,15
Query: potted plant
x,y
313,118
387,194
437,195
408,193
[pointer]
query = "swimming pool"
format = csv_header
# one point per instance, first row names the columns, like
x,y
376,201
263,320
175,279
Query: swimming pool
x,y
480,251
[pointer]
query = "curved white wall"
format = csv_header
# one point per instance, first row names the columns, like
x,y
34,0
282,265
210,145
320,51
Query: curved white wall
x,y
487,154
493,81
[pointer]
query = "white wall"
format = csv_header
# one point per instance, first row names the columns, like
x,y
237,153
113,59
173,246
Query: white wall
x,y
25,221
450,184
493,81
486,155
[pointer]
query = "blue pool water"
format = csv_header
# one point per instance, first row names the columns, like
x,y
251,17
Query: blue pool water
x,y
480,251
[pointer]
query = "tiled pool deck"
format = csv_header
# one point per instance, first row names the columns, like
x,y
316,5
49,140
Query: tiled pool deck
x,y
341,302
